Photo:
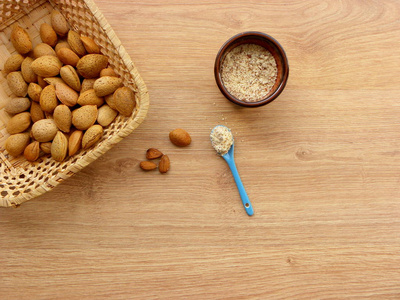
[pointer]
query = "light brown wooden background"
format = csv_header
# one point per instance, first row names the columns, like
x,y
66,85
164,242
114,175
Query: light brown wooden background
x,y
321,165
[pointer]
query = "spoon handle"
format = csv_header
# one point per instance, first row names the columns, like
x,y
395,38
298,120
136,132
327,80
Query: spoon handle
x,y
243,195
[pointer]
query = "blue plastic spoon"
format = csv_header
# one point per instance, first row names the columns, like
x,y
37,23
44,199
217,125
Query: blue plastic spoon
x,y
230,159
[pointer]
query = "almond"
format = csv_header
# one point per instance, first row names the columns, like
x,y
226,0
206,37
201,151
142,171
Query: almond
x,y
46,147
68,57
34,91
41,82
16,143
89,66
89,97
84,117
48,35
105,115
19,123
17,105
59,147
32,151
164,164
92,136
87,84
26,70
47,66
75,142
153,153
63,44
17,84
66,95
148,165
54,80
13,63
70,77
48,99
43,49
180,137
108,72
110,101
90,46
44,130
63,117
59,23
20,40
106,85
124,100
74,40
36,112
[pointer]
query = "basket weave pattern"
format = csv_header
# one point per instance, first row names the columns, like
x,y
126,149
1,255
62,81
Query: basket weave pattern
x,y
21,180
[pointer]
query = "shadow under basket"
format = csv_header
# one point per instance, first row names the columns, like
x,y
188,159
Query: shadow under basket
x,y
21,180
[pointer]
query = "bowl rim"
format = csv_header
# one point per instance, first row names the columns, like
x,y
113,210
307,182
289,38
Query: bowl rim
x,y
221,53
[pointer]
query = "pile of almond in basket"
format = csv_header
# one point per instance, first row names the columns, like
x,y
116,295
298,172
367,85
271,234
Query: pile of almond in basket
x,y
65,92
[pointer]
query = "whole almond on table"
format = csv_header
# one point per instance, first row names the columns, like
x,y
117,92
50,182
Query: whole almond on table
x,y
90,45
19,123
21,40
13,63
75,142
16,143
180,137
43,49
68,57
46,147
63,117
48,99
17,84
92,136
34,91
89,97
44,130
124,100
90,65
17,105
106,85
148,165
59,147
32,151
70,77
48,35
164,164
87,84
84,117
153,153
36,112
27,72
59,23
66,95
47,66
74,40
105,115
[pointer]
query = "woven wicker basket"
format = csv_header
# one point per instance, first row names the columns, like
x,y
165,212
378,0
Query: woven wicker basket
x,y
21,180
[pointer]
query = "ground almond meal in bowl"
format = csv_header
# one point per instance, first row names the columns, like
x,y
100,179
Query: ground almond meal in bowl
x,y
249,72
251,69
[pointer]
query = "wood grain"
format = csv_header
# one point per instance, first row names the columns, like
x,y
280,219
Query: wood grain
x,y
320,164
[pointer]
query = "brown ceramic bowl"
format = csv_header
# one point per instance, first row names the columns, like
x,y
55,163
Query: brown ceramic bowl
x,y
269,43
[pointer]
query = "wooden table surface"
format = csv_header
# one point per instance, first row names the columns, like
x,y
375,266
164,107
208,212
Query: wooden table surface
x,y
320,164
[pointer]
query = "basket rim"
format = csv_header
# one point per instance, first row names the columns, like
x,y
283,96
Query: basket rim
x,y
106,145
